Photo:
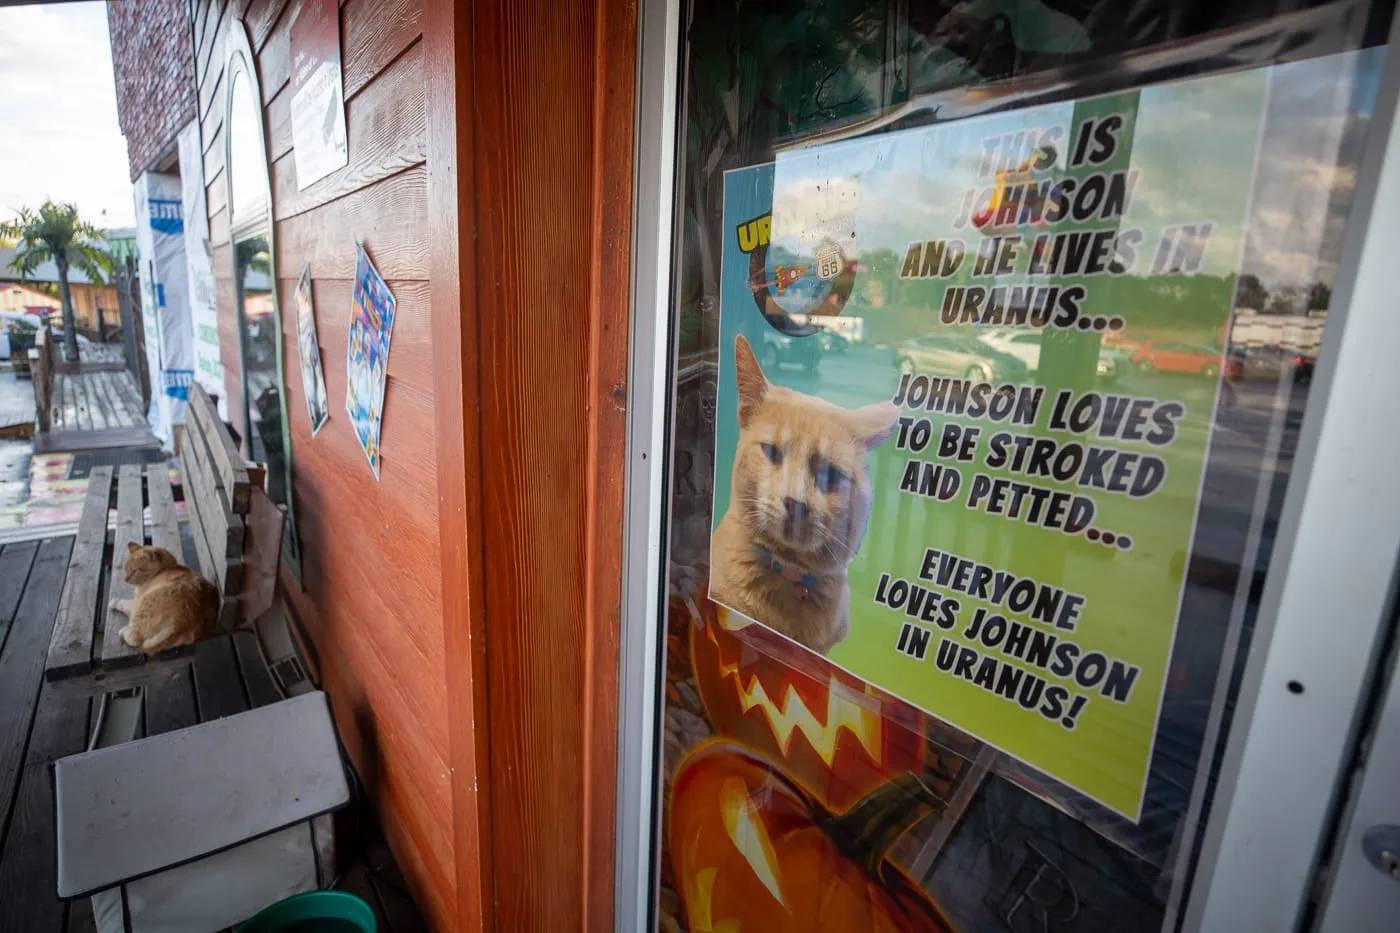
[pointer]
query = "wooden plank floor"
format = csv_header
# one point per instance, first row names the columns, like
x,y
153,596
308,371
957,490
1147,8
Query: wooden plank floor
x,y
96,400
37,726
16,401
101,353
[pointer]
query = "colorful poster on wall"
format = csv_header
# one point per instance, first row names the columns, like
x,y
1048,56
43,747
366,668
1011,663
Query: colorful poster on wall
x,y
318,101
313,379
968,379
367,356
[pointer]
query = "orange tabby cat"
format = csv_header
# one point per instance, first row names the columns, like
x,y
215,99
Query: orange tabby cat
x,y
173,605
798,505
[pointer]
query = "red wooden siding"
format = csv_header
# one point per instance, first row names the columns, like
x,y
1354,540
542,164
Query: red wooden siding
x,y
464,610
550,161
370,564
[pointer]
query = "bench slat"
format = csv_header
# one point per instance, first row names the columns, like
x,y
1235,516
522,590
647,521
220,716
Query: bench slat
x,y
228,614
70,650
201,543
223,528
152,671
226,461
214,568
130,529
165,525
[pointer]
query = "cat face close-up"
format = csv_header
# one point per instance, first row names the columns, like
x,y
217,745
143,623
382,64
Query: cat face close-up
x,y
143,563
801,484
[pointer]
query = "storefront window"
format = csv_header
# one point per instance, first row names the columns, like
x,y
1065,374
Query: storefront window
x,y
996,324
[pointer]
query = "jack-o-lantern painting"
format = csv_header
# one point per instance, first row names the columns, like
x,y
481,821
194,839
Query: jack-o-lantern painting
x,y
810,738
753,851
837,736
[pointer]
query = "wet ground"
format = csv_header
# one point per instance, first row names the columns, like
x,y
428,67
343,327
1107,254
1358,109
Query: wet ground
x,y
16,408
16,400
35,489
44,490
14,475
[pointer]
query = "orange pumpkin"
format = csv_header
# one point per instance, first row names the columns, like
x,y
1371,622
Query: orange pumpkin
x,y
755,853
836,735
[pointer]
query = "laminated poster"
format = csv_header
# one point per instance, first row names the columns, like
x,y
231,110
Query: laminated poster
x,y
367,357
317,108
968,378
313,380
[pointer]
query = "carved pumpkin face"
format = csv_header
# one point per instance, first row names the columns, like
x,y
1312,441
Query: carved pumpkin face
x,y
837,737
754,853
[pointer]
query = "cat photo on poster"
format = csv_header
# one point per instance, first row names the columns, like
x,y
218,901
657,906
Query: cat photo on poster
x,y
799,507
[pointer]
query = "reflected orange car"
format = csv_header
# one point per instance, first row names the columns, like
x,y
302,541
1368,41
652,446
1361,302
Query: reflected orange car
x,y
1194,359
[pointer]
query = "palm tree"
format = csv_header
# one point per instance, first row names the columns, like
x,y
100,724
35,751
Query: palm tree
x,y
56,232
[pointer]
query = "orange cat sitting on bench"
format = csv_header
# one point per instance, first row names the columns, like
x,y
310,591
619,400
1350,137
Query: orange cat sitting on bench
x,y
173,605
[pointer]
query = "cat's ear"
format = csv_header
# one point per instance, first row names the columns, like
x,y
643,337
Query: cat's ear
x,y
132,547
753,385
875,423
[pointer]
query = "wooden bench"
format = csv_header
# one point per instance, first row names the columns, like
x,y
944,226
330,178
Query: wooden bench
x,y
237,531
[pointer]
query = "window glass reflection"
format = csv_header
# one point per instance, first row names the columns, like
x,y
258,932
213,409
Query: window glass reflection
x,y
247,164
752,721
262,381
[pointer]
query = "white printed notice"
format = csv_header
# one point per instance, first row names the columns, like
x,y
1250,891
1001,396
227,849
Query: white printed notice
x,y
318,99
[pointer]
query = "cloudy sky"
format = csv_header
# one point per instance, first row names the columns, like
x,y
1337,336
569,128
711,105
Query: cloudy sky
x,y
58,113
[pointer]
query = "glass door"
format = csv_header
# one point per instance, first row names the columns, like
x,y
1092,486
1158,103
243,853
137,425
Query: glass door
x,y
994,339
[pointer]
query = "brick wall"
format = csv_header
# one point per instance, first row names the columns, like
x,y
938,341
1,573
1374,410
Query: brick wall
x,y
154,69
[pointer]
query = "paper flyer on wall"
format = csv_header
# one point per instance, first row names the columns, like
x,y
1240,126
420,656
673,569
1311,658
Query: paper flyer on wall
x,y
313,379
317,107
968,378
367,355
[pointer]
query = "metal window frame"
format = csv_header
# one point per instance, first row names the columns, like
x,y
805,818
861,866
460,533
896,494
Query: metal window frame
x,y
1327,601
659,108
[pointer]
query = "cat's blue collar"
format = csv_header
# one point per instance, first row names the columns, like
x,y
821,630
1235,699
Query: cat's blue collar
x,y
800,579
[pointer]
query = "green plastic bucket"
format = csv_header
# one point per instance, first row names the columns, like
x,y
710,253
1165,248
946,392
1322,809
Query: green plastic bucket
x,y
315,912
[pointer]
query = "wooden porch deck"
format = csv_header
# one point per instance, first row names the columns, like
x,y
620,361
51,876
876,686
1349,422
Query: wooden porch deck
x,y
96,400
95,407
38,725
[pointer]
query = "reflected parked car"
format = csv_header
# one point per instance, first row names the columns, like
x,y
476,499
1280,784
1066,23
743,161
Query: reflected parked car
x,y
833,341
1192,359
1025,346
952,354
83,339
794,345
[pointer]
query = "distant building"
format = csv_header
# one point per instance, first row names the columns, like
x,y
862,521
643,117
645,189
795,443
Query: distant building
x,y
37,292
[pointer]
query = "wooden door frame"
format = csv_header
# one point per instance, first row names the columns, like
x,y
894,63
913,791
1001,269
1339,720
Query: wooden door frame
x,y
530,186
